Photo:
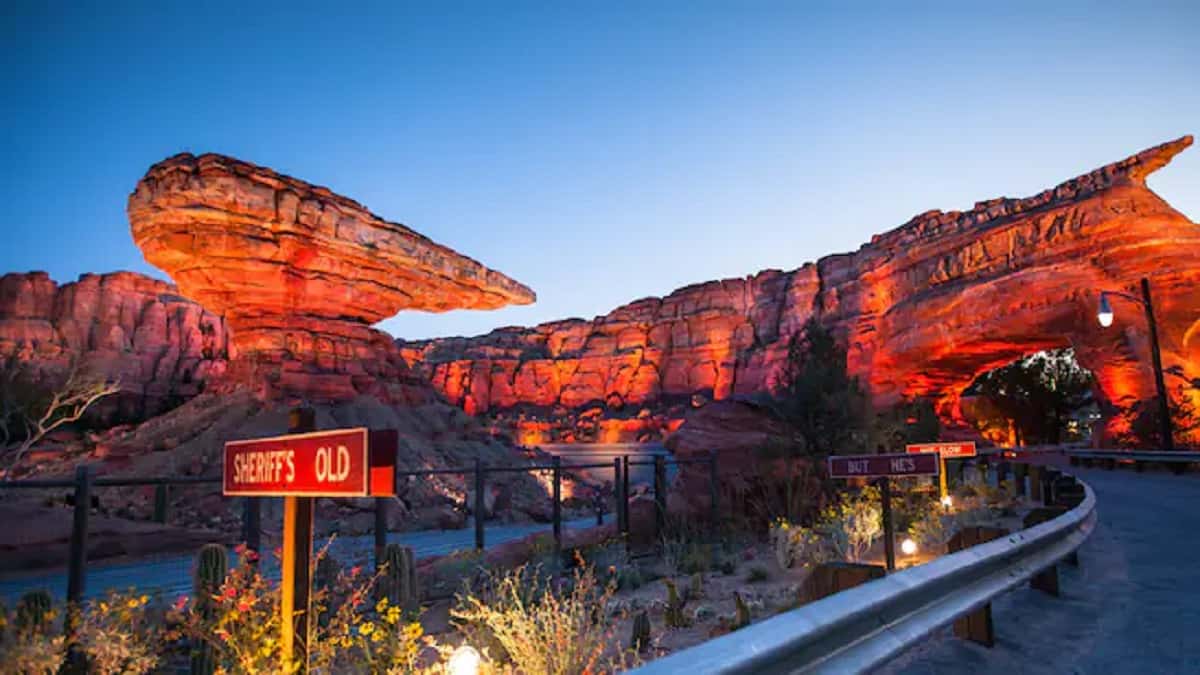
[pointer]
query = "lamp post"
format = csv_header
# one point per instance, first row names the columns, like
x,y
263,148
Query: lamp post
x,y
1105,316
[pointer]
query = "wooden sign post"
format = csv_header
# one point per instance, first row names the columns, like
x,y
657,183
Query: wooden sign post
x,y
300,467
884,467
944,451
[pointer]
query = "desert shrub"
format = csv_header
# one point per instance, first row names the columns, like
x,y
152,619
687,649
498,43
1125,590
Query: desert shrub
x,y
539,626
853,523
797,545
30,646
757,573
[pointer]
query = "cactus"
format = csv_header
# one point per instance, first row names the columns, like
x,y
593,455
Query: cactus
x,y
399,581
33,611
211,565
741,617
674,616
640,637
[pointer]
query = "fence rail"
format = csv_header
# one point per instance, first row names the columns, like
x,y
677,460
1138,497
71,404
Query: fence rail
x,y
861,628
82,496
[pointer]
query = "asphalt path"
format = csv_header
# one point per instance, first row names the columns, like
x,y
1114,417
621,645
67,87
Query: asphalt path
x,y
1133,605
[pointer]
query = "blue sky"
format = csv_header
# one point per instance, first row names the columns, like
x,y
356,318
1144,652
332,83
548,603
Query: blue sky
x,y
598,152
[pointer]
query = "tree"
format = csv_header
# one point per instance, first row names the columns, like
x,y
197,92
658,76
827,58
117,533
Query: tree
x,y
29,409
1038,394
826,408
910,421
1144,428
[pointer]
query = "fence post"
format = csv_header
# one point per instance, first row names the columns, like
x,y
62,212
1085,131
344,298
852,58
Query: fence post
x,y
251,523
617,492
479,505
557,462
660,496
714,490
625,493
381,505
160,502
77,562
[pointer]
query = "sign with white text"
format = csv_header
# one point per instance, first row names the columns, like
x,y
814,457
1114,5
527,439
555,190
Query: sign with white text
x,y
336,463
876,466
946,450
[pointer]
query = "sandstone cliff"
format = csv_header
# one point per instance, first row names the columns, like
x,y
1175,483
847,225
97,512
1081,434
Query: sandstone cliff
x,y
923,309
162,347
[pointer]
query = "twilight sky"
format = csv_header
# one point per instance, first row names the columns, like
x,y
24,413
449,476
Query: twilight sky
x,y
600,153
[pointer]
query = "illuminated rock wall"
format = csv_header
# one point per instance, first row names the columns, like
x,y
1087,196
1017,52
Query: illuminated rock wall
x,y
923,308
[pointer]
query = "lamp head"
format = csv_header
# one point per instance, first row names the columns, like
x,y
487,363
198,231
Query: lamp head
x,y
1105,315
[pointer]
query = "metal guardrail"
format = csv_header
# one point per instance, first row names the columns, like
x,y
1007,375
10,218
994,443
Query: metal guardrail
x,y
1166,457
861,628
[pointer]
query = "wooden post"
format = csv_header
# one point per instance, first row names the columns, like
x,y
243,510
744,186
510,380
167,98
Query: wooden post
x,y
77,562
1035,482
557,462
381,506
660,496
943,490
479,505
296,584
1019,472
889,535
976,626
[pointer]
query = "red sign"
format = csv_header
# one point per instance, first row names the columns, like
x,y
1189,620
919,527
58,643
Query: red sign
x,y
337,463
947,450
872,466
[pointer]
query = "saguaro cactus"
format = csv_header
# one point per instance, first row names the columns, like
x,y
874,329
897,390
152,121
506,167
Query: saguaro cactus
x,y
211,566
399,581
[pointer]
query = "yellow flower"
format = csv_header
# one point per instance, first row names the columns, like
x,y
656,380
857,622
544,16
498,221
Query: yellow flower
x,y
393,615
134,603
381,605
366,628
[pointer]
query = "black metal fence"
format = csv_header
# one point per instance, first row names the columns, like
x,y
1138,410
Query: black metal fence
x,y
82,486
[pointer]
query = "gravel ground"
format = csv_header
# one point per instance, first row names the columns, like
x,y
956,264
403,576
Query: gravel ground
x,y
1133,606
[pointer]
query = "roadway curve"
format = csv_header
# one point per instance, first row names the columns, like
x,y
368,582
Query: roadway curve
x,y
1133,606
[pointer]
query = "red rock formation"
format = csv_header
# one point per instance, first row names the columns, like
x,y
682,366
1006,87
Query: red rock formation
x,y
162,347
300,273
924,309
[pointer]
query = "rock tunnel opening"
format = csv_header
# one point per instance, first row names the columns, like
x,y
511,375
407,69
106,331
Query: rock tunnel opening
x,y
1043,397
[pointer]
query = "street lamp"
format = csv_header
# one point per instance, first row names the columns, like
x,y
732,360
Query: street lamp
x,y
1105,316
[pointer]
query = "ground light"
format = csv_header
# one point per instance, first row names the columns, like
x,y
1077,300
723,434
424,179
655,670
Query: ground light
x,y
908,546
464,661
947,502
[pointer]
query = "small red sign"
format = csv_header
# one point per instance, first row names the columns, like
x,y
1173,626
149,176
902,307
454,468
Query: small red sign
x,y
873,466
336,463
947,450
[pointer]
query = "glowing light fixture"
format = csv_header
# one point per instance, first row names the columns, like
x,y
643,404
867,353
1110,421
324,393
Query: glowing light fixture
x,y
464,661
947,502
1105,315
908,547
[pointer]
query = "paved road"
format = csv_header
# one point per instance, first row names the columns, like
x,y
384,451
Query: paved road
x,y
172,575
1132,607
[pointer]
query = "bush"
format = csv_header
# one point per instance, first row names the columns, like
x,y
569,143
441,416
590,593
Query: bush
x,y
539,626
793,544
758,573
853,523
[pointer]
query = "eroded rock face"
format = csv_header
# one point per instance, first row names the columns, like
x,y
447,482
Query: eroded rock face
x,y
924,309
300,274
162,347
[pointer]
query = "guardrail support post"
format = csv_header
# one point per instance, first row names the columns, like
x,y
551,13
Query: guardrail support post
x,y
625,495
1046,580
976,626
660,496
618,491
1020,470
1035,482
77,562
479,505
557,462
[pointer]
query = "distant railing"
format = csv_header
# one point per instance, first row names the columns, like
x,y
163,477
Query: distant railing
x,y
84,482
